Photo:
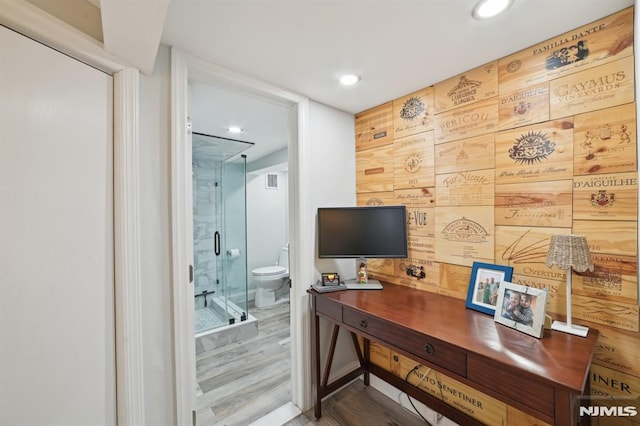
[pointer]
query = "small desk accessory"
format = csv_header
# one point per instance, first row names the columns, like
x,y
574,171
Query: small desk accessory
x,y
330,278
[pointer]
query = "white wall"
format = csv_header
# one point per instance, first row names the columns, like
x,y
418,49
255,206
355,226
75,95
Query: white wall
x,y
333,183
267,221
155,242
333,171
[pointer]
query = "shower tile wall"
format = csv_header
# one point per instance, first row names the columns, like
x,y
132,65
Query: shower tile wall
x,y
206,218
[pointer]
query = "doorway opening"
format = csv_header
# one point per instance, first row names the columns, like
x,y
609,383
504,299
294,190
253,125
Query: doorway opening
x,y
186,69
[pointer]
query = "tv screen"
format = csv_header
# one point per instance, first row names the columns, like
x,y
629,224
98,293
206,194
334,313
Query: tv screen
x,y
369,232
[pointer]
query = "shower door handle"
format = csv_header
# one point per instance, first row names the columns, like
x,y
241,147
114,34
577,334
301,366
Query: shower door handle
x,y
216,243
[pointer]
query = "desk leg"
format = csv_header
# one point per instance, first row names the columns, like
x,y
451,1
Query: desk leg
x,y
565,407
367,359
322,384
332,350
315,322
362,359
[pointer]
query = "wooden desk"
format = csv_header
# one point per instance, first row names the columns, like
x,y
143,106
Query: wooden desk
x,y
541,377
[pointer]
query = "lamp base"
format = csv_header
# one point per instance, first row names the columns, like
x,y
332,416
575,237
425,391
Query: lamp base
x,y
578,330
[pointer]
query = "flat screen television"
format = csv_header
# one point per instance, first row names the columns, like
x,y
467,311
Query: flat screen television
x,y
362,232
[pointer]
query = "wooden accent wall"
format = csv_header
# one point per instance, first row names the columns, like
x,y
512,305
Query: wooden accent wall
x,y
492,162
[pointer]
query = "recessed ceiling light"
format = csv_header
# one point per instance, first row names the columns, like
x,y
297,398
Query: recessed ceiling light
x,y
234,129
349,79
486,9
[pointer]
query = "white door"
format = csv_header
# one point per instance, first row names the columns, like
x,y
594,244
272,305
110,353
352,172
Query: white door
x,y
57,350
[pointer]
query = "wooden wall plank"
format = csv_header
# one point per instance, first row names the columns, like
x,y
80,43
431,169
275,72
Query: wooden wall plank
x,y
454,280
593,89
468,188
413,161
613,278
605,40
374,127
466,154
413,113
464,236
617,350
523,107
613,314
621,389
525,249
605,141
424,197
374,169
611,237
606,197
542,152
468,121
532,204
472,86
375,199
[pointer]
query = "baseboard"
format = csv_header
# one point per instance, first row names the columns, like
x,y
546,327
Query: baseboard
x,y
279,416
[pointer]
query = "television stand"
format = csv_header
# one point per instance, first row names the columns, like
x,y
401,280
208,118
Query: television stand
x,y
370,285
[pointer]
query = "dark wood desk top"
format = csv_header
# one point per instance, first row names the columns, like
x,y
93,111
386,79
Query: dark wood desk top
x,y
561,359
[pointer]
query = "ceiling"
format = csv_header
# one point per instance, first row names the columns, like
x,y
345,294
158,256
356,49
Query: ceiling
x,y
396,46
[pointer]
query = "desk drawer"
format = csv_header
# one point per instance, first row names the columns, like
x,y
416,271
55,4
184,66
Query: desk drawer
x,y
328,308
425,347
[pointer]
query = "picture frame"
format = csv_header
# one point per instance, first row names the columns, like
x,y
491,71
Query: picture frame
x,y
522,308
486,274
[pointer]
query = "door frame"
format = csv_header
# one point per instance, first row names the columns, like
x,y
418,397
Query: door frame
x,y
32,22
183,68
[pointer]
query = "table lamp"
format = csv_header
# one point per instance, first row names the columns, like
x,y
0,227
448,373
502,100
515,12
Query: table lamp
x,y
567,252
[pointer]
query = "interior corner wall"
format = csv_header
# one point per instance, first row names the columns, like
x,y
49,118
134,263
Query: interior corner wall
x,y
332,183
332,170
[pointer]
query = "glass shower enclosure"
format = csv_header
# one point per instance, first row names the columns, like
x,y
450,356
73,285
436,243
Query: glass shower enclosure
x,y
219,231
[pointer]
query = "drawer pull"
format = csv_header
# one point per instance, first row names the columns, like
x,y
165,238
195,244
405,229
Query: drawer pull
x,y
428,348
363,323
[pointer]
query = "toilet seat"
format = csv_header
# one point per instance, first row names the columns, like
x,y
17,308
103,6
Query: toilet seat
x,y
269,271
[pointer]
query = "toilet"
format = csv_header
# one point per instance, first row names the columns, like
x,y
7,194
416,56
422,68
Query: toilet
x,y
269,279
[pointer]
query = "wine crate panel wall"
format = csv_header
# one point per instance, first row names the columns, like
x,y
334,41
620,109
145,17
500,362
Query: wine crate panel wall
x,y
502,157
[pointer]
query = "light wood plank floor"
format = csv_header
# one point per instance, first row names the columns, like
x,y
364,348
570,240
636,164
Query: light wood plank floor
x,y
243,381
359,405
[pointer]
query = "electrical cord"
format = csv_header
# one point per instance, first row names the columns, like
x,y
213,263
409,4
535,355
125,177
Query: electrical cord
x,y
406,379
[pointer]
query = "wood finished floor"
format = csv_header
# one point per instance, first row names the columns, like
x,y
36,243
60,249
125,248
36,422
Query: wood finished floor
x,y
243,381
359,405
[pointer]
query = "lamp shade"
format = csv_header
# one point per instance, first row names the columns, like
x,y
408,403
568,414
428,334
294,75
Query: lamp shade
x,y
569,251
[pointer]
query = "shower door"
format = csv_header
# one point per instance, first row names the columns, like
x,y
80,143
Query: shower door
x,y
219,231
232,259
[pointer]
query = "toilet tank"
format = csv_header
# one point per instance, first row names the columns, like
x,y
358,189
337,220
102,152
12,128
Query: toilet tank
x,y
283,259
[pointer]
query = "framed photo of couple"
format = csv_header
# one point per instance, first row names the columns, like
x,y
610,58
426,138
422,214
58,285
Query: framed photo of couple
x,y
484,284
522,308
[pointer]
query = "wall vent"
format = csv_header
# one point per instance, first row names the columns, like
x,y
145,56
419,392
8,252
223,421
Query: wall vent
x,y
271,181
